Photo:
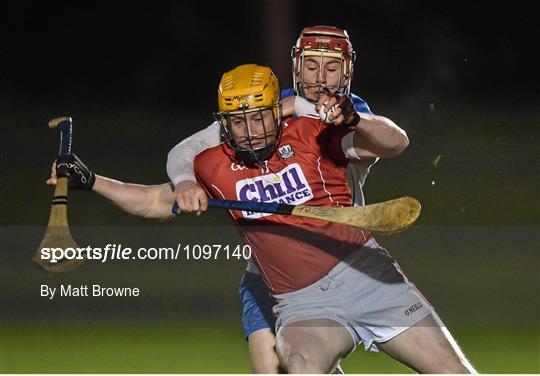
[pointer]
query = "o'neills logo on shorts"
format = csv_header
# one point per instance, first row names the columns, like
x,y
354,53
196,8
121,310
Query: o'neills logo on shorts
x,y
288,186
413,308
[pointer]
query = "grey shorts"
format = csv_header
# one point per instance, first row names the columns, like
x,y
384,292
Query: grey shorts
x,y
367,293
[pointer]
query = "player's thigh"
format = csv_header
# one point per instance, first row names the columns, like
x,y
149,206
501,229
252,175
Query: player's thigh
x,y
262,345
427,347
321,343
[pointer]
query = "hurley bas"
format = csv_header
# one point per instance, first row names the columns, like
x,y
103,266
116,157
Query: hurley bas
x,y
85,290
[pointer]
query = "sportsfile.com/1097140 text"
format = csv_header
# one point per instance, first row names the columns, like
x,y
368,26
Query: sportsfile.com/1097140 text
x,y
117,252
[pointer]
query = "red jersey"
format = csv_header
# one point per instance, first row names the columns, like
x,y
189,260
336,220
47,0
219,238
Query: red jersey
x,y
308,167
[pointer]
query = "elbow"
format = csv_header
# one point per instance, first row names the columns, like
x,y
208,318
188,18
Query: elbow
x,y
171,157
404,142
397,140
401,143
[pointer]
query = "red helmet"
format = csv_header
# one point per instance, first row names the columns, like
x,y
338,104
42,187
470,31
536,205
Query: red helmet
x,y
323,41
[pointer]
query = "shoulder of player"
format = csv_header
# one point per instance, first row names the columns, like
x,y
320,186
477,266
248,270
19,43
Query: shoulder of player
x,y
302,130
209,152
302,122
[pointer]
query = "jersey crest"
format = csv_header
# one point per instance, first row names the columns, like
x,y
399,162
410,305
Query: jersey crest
x,y
286,151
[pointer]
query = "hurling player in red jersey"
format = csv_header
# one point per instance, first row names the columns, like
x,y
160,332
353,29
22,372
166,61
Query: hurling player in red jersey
x,y
334,286
322,57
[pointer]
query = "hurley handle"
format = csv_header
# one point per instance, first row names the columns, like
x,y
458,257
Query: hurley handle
x,y
251,206
65,126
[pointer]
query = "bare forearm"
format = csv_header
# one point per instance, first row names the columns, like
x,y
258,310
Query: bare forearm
x,y
377,136
149,201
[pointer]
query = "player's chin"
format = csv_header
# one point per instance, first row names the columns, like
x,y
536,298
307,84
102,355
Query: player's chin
x,y
313,94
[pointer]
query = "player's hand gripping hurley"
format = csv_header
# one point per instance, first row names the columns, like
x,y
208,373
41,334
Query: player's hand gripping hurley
x,y
386,218
57,234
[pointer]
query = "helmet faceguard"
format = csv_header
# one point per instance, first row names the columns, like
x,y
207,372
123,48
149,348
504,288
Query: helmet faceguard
x,y
319,42
249,114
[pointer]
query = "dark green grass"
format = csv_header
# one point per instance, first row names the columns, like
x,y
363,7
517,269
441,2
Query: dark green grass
x,y
219,349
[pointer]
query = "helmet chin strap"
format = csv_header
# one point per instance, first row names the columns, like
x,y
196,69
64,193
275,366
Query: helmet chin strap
x,y
255,157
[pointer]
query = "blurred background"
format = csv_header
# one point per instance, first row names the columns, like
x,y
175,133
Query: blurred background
x,y
461,79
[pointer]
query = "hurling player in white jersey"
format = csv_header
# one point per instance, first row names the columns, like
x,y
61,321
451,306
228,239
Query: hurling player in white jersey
x,y
323,60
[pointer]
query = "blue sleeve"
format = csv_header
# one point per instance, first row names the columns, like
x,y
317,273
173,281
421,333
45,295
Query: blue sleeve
x,y
360,104
287,93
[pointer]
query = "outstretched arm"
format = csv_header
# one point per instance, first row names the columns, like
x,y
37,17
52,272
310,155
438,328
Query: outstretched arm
x,y
148,201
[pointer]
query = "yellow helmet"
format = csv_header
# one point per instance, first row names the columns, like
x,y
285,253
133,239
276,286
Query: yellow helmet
x,y
247,87
243,90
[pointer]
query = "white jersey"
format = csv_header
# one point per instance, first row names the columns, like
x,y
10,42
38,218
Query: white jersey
x,y
180,159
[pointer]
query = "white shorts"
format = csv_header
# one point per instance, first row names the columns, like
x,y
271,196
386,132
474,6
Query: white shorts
x,y
367,293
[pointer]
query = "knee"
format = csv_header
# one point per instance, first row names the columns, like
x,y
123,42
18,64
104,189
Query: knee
x,y
299,362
